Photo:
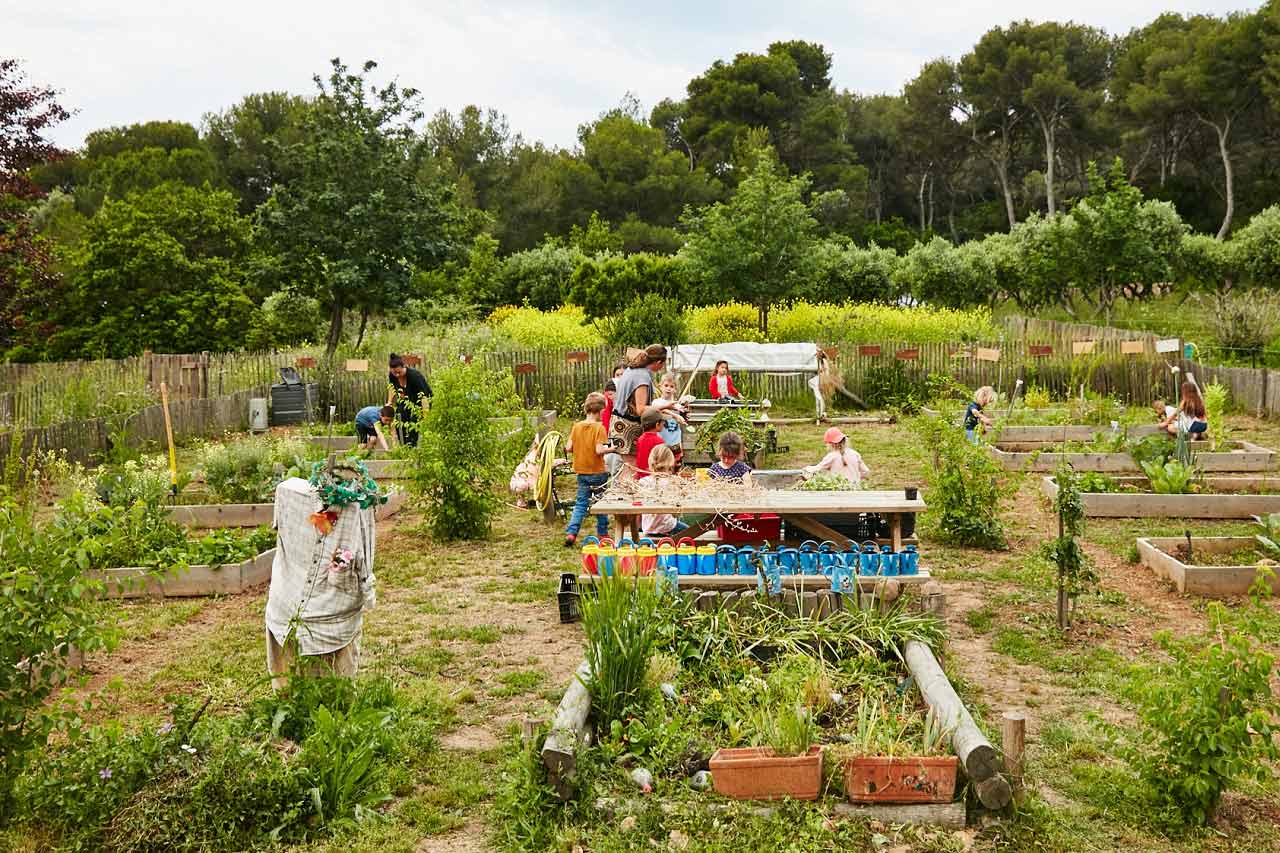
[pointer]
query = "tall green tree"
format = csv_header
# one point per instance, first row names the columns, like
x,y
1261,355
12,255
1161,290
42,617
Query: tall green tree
x,y
165,270
991,99
246,141
757,247
934,138
355,221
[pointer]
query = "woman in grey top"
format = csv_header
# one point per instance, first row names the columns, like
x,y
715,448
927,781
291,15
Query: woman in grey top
x,y
634,394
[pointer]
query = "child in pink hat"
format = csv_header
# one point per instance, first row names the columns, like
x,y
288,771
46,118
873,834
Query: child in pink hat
x,y
840,459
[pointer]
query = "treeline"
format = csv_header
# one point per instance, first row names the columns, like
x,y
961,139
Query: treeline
x,y
285,215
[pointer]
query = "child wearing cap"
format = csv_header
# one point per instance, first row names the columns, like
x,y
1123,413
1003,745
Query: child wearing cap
x,y
651,423
840,459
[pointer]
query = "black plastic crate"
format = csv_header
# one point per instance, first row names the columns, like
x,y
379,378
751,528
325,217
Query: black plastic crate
x,y
568,598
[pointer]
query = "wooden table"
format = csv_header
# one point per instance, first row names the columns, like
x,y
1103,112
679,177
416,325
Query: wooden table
x,y
795,507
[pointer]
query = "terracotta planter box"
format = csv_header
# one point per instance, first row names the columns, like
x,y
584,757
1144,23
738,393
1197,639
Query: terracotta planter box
x,y
1158,554
755,773
877,779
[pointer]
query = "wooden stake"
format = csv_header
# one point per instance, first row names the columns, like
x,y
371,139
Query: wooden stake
x,y
1014,741
568,732
168,433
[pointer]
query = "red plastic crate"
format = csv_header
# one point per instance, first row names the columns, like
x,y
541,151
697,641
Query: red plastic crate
x,y
750,528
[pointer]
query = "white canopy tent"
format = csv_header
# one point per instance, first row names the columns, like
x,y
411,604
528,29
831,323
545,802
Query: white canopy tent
x,y
770,359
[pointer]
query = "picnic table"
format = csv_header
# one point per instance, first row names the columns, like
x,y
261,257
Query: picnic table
x,y
797,508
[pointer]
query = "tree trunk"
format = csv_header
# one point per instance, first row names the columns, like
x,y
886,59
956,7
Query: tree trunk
x,y
1050,155
364,321
924,176
764,319
1002,171
1223,132
930,222
335,328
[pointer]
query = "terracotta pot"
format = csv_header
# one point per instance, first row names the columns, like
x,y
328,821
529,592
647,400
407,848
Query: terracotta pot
x,y
876,779
756,773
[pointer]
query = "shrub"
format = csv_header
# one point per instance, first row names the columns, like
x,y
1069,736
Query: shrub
x,y
1036,397
454,469
1209,718
1215,407
606,284
965,487
49,608
892,386
846,272
650,318
539,276
563,328
725,323
286,318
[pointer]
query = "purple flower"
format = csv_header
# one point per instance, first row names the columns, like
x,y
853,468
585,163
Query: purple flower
x,y
104,773
165,729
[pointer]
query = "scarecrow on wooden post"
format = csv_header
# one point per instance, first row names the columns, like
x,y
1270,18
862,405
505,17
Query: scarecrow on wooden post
x,y
322,576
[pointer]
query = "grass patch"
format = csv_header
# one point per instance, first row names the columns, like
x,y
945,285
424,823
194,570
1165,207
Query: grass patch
x,y
479,634
518,682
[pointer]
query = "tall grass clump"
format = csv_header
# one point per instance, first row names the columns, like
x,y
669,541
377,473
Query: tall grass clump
x,y
620,620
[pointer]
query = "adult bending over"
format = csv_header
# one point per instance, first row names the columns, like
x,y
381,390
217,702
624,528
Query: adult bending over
x,y
633,395
410,394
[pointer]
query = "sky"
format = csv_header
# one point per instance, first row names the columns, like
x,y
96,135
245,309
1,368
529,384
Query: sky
x,y
549,66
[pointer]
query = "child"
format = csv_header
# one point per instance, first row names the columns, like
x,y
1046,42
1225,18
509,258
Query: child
x,y
973,414
674,422
369,421
840,459
588,443
612,461
721,384
525,477
1165,414
1190,414
731,466
662,464
651,423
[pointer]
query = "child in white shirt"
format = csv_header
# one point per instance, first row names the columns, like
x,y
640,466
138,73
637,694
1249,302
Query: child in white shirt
x,y
840,459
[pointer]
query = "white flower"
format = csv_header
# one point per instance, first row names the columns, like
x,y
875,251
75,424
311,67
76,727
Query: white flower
x,y
188,749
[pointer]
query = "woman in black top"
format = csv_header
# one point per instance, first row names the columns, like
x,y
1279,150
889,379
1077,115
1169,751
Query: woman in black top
x,y
409,392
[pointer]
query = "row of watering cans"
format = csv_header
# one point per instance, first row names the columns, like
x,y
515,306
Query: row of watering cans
x,y
686,557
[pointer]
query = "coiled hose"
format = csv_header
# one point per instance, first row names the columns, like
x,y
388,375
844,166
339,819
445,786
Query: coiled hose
x,y
544,488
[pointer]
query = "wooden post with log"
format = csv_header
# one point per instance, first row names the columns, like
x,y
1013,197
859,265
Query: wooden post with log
x,y
568,733
980,761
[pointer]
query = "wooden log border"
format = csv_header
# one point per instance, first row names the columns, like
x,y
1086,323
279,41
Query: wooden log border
x,y
1156,553
1129,505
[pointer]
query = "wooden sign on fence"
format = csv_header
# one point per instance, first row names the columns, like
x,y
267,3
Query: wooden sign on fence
x,y
911,354
830,352
1082,347
869,349
524,368
304,362
411,360
357,365
1040,349
1133,347
986,354
577,356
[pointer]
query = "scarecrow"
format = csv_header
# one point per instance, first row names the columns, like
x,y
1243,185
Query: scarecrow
x,y
322,576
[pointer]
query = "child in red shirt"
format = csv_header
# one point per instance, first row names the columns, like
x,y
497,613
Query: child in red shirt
x,y
721,384
651,421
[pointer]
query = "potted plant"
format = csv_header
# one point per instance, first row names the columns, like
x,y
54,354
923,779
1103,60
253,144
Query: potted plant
x,y
787,764
878,773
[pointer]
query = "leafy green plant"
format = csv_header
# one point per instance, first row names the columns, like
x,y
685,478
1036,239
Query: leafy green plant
x,y
729,419
1157,448
340,754
1036,397
620,622
453,471
1172,478
1209,718
652,318
564,328
1215,409
1095,482
1075,570
228,545
50,608
893,386
966,487
825,481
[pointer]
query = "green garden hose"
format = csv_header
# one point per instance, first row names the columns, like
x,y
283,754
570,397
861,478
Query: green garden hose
x,y
544,489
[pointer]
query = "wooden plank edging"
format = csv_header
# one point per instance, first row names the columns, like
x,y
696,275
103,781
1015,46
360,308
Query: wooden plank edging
x,y
1157,554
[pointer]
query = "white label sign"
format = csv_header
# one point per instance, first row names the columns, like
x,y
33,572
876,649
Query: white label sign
x,y
1168,345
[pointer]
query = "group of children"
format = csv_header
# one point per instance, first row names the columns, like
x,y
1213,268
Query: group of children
x,y
599,447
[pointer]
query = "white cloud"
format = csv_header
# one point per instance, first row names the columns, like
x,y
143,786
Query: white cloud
x,y
548,65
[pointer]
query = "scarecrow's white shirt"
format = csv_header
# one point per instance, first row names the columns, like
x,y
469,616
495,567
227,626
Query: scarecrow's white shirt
x,y
328,605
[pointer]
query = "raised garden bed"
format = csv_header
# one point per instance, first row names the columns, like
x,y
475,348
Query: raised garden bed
x,y
540,421
1065,433
1223,497
206,516
1212,570
227,579
1236,456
